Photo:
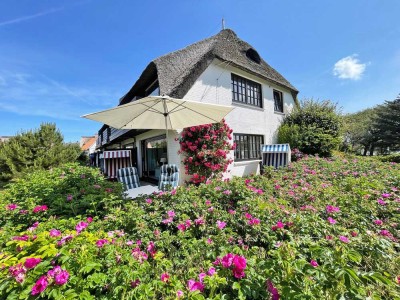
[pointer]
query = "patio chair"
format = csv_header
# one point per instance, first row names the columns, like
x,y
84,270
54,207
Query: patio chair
x,y
129,177
169,176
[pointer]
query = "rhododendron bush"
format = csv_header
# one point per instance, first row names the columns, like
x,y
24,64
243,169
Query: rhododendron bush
x,y
205,150
319,229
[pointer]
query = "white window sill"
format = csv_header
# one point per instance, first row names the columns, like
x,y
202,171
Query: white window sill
x,y
244,105
246,162
279,113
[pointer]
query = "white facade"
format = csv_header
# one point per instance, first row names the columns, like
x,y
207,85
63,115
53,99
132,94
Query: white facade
x,y
214,86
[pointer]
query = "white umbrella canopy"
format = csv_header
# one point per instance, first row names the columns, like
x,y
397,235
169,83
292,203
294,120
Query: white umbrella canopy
x,y
160,112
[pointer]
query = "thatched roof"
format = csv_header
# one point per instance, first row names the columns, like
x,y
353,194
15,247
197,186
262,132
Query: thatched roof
x,y
177,71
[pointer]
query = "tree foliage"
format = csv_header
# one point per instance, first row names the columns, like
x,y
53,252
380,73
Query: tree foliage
x,y
387,123
313,127
359,131
35,149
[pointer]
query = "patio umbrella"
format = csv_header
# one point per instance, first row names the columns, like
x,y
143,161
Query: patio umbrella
x,y
160,112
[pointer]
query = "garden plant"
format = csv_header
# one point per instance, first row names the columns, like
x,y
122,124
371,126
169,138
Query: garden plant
x,y
318,229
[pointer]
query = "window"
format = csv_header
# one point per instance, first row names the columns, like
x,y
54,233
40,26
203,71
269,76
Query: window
x,y
153,89
278,101
246,91
248,146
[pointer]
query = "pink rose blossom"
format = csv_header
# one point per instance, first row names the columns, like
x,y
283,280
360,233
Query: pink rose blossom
x,y
221,224
100,243
238,273
181,227
314,263
273,290
11,206
171,213
61,278
201,277
332,209
195,285
39,286
344,239
385,195
211,271
227,260
378,222
81,226
54,233
89,219
32,262
381,202
164,277
278,225
179,294
331,220
40,208
135,283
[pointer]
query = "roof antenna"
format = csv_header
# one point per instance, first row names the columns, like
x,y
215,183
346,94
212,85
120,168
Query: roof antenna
x,y
223,24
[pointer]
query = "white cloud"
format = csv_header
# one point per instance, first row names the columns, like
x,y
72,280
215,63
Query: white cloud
x,y
26,18
349,67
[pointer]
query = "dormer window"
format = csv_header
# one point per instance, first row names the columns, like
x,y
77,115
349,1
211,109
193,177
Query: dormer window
x,y
153,89
253,55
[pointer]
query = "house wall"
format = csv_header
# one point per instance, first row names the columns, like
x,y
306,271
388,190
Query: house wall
x,y
214,86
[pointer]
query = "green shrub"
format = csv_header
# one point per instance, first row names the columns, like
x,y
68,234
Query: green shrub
x,y
42,148
313,128
390,158
66,191
319,229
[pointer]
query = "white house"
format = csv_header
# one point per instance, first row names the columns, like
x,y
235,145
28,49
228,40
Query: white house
x,y
221,69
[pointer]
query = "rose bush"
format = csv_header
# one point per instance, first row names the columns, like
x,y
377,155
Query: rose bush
x,y
261,237
205,150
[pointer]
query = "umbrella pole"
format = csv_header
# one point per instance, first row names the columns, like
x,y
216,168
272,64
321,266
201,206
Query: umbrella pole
x,y
166,134
166,124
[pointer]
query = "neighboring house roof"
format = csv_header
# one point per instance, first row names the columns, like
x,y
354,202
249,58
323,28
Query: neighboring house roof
x,y
177,71
88,143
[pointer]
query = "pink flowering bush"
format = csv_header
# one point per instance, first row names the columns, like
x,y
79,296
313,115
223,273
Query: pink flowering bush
x,y
65,191
314,230
206,149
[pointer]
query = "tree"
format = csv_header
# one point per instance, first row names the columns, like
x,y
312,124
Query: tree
x,y
387,123
359,131
43,148
313,127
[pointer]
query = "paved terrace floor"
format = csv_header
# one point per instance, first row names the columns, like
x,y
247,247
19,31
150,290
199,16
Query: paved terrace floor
x,y
145,188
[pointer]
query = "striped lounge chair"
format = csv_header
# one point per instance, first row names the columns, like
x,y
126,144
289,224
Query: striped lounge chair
x,y
129,177
169,177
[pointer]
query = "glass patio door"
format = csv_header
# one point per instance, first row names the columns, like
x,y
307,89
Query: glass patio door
x,y
154,155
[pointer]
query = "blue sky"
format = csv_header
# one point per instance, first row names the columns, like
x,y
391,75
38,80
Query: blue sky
x,y
62,59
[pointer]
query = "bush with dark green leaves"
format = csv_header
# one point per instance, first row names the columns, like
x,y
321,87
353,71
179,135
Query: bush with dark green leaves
x,y
42,148
313,128
66,191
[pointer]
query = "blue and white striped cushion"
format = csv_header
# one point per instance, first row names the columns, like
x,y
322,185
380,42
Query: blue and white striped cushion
x,y
168,180
129,177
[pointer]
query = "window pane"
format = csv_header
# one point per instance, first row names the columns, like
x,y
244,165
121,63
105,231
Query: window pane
x,y
248,146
